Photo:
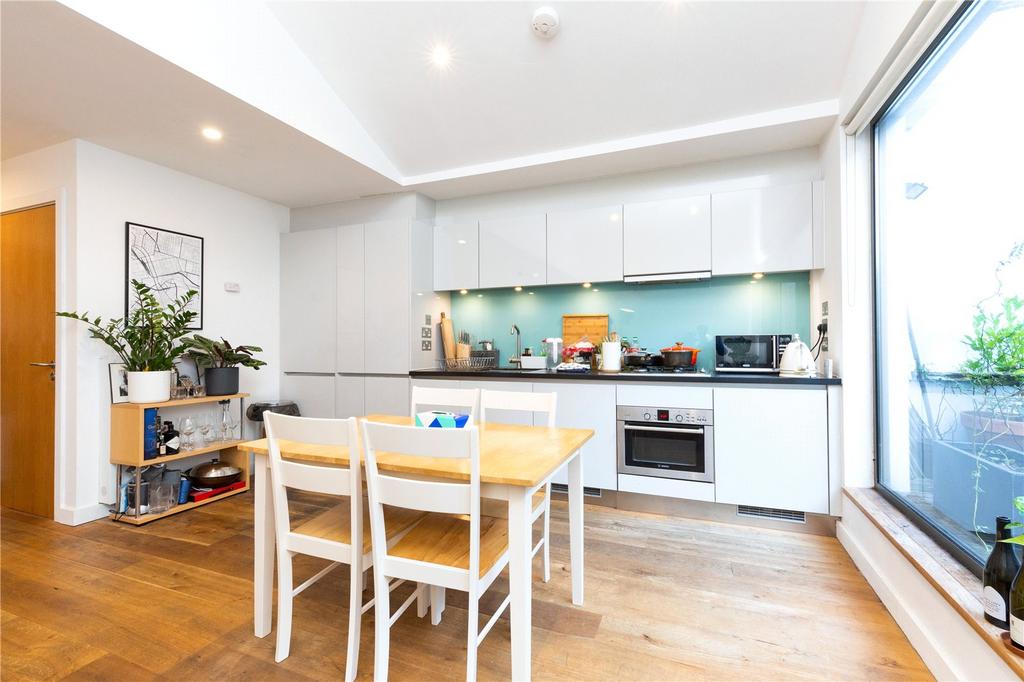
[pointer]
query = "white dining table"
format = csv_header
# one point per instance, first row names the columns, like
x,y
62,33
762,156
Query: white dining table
x,y
515,462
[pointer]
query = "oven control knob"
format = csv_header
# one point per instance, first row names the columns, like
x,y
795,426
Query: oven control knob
x,y
647,416
679,417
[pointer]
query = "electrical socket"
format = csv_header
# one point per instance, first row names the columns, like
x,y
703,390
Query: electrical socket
x,y
824,308
424,345
824,344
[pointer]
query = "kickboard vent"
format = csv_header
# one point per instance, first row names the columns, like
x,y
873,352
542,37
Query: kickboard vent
x,y
563,488
773,514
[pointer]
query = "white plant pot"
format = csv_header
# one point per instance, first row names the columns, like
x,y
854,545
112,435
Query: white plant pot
x,y
149,387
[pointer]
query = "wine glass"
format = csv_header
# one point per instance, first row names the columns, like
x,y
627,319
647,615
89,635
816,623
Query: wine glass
x,y
188,427
225,421
205,428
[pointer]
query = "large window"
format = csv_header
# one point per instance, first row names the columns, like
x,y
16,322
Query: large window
x,y
949,281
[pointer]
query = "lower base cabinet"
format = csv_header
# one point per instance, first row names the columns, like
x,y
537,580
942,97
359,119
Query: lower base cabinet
x,y
386,395
589,407
771,448
313,393
349,396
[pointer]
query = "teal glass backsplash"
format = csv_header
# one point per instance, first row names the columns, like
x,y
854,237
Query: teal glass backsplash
x,y
659,314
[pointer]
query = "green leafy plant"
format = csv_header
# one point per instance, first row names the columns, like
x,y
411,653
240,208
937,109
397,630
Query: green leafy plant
x,y
997,344
148,339
1018,504
209,353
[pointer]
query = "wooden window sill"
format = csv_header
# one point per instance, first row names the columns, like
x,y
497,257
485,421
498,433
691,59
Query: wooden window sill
x,y
956,584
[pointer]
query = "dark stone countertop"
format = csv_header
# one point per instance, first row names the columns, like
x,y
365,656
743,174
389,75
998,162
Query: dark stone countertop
x,y
623,377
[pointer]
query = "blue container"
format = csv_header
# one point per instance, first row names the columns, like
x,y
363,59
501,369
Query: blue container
x,y
184,487
151,434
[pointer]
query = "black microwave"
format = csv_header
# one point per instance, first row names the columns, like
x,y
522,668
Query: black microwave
x,y
750,352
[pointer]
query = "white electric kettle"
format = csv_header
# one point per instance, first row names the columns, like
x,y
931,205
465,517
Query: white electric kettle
x,y
797,360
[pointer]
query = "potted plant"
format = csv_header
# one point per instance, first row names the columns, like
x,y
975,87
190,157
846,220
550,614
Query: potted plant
x,y
147,341
981,460
220,361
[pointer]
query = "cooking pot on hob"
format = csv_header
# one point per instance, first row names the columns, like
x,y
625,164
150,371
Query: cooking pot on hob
x,y
680,355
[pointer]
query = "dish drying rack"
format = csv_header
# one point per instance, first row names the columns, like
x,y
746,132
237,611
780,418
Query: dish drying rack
x,y
474,362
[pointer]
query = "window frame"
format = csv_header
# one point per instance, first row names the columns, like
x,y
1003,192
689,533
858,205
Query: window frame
x,y
925,523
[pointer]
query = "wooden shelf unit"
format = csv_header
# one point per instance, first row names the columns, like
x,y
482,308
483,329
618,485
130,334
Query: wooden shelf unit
x,y
127,431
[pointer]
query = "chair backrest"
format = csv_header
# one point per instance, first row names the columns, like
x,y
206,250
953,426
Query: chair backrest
x,y
423,493
453,399
310,476
519,401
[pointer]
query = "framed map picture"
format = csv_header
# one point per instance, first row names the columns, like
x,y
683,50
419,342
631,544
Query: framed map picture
x,y
170,263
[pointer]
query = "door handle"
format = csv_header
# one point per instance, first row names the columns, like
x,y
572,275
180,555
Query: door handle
x,y
50,364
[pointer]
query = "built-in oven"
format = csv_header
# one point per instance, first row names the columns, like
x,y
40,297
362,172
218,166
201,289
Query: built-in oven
x,y
750,352
666,442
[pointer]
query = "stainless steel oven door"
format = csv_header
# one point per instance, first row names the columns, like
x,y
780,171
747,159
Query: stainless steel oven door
x,y
666,451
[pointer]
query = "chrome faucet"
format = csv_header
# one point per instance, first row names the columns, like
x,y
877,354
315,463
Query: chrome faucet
x,y
519,346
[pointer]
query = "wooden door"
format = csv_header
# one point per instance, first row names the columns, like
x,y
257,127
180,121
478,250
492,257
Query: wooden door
x,y
27,307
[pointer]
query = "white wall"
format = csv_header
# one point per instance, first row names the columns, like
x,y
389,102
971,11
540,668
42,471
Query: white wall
x,y
366,210
241,236
752,171
826,284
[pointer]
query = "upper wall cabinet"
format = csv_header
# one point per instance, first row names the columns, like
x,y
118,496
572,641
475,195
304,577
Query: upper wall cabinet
x,y
585,245
513,252
456,256
667,237
351,273
762,230
388,314
308,300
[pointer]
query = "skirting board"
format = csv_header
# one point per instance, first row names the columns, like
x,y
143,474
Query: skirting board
x,y
950,648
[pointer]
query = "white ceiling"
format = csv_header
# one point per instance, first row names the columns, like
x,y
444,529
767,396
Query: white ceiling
x,y
625,86
616,69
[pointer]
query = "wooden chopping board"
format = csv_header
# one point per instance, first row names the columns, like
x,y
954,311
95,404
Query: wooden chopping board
x,y
448,337
575,327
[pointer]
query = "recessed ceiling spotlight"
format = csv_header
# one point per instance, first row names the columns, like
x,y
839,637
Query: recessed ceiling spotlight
x,y
531,293
211,133
758,275
586,285
519,288
463,292
441,56
545,22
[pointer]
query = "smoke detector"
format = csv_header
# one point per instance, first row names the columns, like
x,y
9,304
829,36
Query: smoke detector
x,y
545,22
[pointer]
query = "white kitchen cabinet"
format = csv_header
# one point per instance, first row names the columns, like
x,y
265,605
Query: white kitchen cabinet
x,y
308,300
386,395
456,255
771,448
506,416
513,251
351,274
667,237
349,392
818,224
585,405
762,230
313,393
388,308
585,245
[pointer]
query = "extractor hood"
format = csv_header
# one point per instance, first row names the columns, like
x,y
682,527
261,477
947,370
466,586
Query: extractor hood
x,y
668,277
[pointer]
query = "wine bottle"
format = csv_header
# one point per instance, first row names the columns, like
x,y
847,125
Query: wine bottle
x,y
1000,576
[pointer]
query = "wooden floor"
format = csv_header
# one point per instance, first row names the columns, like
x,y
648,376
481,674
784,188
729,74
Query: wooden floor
x,y
666,599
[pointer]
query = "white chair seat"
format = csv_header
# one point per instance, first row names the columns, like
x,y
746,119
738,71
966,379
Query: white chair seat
x,y
444,539
335,524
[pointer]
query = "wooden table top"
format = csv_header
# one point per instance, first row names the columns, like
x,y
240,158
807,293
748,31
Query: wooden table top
x,y
510,454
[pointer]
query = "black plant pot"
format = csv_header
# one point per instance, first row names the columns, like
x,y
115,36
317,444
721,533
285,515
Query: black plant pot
x,y
221,380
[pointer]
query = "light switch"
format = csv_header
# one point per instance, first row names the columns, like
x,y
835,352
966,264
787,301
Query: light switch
x,y
232,287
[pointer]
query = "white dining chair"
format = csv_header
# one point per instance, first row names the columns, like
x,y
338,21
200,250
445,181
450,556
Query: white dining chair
x,y
339,534
454,547
454,399
522,401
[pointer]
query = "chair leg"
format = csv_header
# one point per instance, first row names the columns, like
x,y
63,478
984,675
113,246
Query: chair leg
x,y
547,533
381,625
422,599
473,628
355,612
284,605
436,604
